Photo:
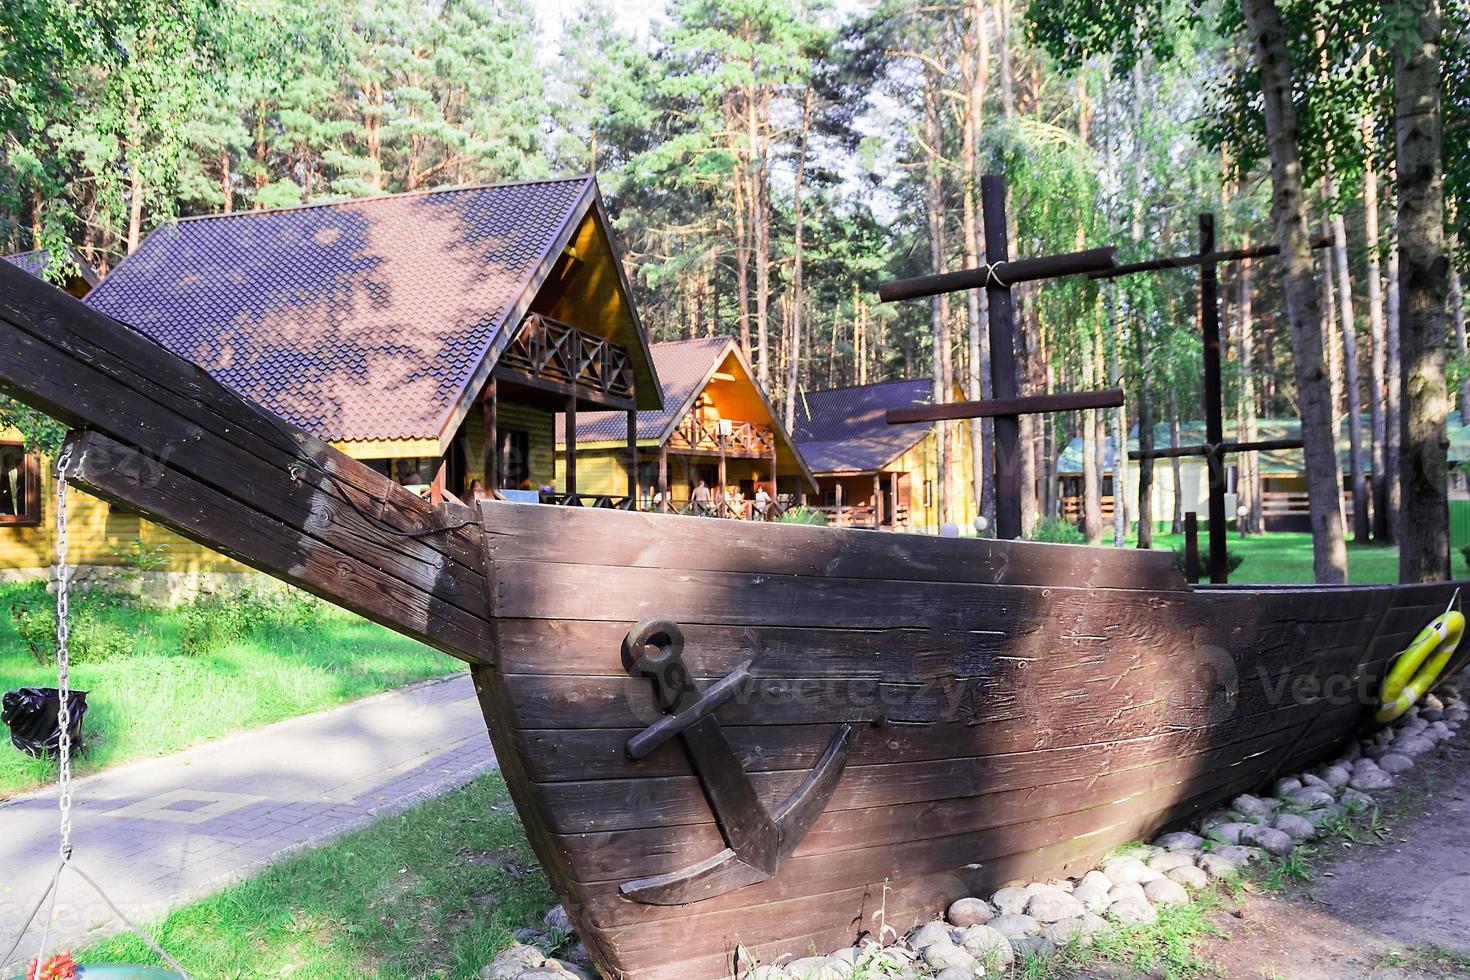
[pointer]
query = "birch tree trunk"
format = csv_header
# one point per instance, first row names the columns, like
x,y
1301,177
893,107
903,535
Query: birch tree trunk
x,y
1289,216
793,364
1351,390
1176,524
938,305
1424,275
1393,404
978,374
1249,491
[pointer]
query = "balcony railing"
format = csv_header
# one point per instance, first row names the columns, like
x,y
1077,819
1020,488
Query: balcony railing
x,y
703,436
549,350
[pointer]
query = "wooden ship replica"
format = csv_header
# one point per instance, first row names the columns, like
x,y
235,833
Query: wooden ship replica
x,y
724,734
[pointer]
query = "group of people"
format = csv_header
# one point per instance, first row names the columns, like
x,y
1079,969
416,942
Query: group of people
x,y
703,501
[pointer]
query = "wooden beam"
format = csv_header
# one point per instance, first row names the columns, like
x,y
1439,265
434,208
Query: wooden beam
x,y
92,372
1000,272
1224,448
994,407
1197,258
1214,393
1003,383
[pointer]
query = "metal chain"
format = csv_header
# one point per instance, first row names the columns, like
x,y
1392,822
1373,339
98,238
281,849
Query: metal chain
x,y
63,655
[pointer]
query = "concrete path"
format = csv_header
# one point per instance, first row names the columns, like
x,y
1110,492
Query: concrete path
x,y
159,832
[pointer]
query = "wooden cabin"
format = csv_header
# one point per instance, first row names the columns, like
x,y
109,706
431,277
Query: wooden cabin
x,y
436,336
873,474
1283,474
716,428
78,276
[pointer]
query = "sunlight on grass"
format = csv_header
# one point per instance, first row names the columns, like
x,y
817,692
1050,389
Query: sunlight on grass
x,y
1287,557
158,700
433,892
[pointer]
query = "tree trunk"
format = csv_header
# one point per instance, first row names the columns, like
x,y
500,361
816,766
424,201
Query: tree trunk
x,y
793,364
1378,353
1393,405
1176,524
742,264
1289,215
938,305
1145,445
978,374
1120,443
1351,390
1249,484
1457,316
1424,275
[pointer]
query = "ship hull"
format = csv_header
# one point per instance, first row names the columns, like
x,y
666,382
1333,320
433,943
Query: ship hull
x,y
1016,710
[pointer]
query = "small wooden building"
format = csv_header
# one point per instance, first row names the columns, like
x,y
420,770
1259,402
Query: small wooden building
x,y
436,336
716,427
873,474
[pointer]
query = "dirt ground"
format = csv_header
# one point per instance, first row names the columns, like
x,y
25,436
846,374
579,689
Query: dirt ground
x,y
1391,910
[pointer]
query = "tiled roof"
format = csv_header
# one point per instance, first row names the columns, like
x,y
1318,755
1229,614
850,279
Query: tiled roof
x,y
1275,462
843,429
357,320
35,263
682,366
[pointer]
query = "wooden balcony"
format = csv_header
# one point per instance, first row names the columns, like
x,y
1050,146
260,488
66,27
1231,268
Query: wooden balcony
x,y
746,439
558,357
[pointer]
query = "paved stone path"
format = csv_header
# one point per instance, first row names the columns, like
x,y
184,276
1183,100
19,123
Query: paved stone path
x,y
159,832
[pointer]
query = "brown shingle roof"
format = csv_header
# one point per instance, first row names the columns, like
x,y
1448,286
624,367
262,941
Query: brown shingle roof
x,y
683,367
358,320
844,429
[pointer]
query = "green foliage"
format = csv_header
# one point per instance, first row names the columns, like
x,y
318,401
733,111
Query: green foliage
x,y
96,635
212,621
1055,530
803,515
1233,559
139,557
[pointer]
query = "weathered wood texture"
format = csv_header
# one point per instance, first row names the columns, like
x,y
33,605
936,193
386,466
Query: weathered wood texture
x,y
168,440
1018,709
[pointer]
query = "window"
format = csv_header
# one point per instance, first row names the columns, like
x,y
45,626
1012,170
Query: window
x,y
20,485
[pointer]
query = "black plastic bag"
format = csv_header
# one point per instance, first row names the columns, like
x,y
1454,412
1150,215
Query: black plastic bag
x,y
31,714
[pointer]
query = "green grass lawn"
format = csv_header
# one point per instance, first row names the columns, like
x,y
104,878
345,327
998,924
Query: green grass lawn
x,y
434,892
1287,557
156,699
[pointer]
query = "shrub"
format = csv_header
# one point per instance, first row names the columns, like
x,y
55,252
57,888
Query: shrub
x,y
1465,553
1233,560
209,622
95,635
1054,530
803,515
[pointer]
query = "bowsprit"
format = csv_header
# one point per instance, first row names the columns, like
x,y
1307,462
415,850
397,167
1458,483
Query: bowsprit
x,y
756,840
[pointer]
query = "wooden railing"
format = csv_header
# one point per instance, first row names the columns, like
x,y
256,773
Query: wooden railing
x,y
602,501
745,439
550,350
860,515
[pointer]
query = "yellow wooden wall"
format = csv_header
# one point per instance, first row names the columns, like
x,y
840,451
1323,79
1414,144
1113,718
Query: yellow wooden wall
x,y
921,463
540,423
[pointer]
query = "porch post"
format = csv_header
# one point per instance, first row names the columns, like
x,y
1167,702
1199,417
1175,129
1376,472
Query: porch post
x,y
893,497
838,490
436,487
722,471
490,405
572,444
633,458
663,478
877,500
775,486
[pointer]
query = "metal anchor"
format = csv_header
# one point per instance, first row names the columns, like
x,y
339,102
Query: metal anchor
x,y
756,841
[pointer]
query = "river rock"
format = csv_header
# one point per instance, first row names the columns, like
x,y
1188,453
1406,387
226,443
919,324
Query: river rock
x,y
1180,840
1412,745
1432,715
1092,890
1229,833
988,945
1166,861
544,973
1125,891
1357,801
1286,784
1190,876
1372,779
1393,763
567,969
1053,906
1298,828
512,961
1253,806
1133,911
1015,927
970,912
955,973
1011,901
930,933
1082,928
942,956
1337,776
766,973
1125,870
1270,840
1310,796
1166,891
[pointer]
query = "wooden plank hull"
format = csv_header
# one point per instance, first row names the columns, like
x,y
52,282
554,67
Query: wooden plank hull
x,y
1018,709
